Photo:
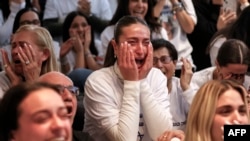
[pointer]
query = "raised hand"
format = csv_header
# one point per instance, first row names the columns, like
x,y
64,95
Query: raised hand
x,y
77,44
186,74
148,64
66,47
169,135
87,37
14,78
225,17
31,66
126,62
84,6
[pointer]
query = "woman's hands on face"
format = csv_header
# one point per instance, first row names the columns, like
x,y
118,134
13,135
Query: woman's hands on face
x,y
148,63
31,66
128,66
14,79
126,62
87,38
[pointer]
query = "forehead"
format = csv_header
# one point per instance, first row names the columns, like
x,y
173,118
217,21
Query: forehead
x,y
29,15
41,99
137,31
236,68
27,36
79,18
161,51
230,96
58,80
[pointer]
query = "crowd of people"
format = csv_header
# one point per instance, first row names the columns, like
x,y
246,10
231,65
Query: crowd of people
x,y
123,70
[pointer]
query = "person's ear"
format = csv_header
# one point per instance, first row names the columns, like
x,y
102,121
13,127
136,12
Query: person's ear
x,y
45,55
115,47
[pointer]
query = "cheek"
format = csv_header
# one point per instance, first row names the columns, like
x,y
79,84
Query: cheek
x,y
31,131
218,122
170,70
72,32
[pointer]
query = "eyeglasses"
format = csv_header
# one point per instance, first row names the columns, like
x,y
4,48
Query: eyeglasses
x,y
163,59
237,76
34,22
72,89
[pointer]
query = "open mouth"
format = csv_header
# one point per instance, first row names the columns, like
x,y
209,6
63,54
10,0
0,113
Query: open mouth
x,y
69,109
17,62
139,62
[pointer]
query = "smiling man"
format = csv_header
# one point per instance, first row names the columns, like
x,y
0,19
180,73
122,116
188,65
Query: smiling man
x,y
68,93
123,100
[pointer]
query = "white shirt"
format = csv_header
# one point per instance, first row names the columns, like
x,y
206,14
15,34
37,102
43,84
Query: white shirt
x,y
215,46
6,26
201,77
180,102
180,39
113,105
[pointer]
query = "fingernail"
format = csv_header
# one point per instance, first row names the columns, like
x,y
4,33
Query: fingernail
x,y
222,128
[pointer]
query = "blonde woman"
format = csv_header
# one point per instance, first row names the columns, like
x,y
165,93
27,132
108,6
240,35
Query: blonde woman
x,y
32,55
217,102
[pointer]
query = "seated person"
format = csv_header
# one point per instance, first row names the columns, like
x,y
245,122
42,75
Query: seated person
x,y
69,94
35,112
218,102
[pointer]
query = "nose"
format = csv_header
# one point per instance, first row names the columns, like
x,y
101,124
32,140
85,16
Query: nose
x,y
158,64
140,3
81,28
66,95
139,49
57,124
237,118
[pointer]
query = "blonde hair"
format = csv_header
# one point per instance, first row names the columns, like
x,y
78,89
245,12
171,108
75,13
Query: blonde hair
x,y
202,110
43,41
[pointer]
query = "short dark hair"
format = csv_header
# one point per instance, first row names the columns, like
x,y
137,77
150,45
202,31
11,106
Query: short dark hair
x,y
233,51
162,43
9,106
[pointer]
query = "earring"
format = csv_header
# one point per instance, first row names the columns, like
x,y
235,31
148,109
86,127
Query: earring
x,y
114,56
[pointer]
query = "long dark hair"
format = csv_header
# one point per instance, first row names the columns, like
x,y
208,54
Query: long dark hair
x,y
67,23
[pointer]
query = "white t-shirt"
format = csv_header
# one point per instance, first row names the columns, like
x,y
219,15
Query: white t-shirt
x,y
180,102
114,105
180,39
